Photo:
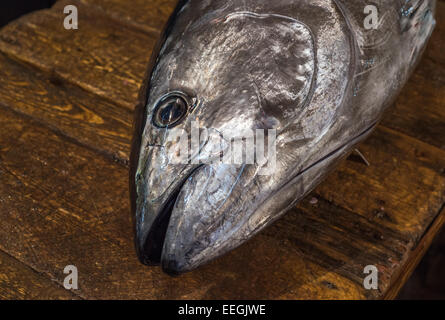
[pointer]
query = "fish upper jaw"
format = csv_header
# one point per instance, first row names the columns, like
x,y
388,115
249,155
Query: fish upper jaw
x,y
157,186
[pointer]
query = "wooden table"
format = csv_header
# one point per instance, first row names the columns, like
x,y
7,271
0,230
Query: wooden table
x,y
66,101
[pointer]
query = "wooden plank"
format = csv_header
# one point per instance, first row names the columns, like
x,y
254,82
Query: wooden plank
x,y
101,56
145,15
403,189
62,205
18,282
77,114
342,242
415,257
392,204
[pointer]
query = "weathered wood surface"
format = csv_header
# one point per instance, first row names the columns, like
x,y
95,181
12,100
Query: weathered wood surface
x,y
65,128
18,281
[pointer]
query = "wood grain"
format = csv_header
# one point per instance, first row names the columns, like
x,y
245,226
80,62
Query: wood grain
x,y
101,56
405,173
69,110
65,102
143,15
415,257
17,281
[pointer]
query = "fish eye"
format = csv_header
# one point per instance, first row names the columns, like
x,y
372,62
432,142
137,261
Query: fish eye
x,y
170,110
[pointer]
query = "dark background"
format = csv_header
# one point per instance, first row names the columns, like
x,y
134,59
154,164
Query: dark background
x,y
12,9
427,282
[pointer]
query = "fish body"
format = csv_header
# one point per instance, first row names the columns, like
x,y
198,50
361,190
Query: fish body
x,y
308,73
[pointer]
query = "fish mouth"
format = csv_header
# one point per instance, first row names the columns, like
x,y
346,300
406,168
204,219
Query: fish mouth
x,y
150,252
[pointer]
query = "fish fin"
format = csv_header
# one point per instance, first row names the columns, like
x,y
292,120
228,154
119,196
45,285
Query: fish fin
x,y
358,156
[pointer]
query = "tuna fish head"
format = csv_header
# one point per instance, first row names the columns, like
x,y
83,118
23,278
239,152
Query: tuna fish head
x,y
234,77
240,71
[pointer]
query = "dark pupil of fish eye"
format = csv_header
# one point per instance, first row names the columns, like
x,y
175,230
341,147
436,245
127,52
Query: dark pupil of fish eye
x,y
170,112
